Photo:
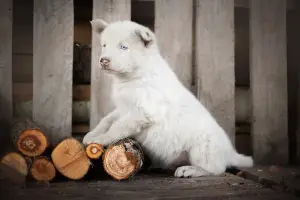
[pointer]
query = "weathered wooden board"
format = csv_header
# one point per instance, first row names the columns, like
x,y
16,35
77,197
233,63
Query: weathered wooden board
x,y
298,121
101,103
52,66
268,78
6,61
293,66
80,110
24,92
295,81
151,187
176,46
215,60
282,178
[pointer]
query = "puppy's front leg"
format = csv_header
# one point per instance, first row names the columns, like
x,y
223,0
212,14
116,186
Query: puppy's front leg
x,y
126,126
102,127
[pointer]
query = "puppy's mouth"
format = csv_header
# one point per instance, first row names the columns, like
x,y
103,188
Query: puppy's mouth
x,y
109,70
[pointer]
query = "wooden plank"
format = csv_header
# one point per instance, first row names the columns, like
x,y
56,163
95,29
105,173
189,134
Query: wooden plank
x,y
282,178
152,186
175,46
80,110
101,103
298,120
52,66
296,64
215,60
23,92
6,61
293,63
268,78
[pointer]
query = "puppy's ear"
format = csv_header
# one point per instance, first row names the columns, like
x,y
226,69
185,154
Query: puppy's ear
x,y
145,34
98,25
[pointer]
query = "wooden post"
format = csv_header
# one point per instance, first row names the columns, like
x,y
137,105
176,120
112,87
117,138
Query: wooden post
x,y
297,67
6,61
52,67
268,78
174,35
298,120
215,60
109,11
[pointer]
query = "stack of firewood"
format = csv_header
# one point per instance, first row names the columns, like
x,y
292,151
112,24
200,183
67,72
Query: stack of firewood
x,y
36,159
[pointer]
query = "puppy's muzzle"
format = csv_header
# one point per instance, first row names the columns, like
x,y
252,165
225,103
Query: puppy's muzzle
x,y
104,62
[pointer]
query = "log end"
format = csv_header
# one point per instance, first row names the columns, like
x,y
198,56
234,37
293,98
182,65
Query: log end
x,y
123,159
32,142
15,161
70,159
94,151
42,169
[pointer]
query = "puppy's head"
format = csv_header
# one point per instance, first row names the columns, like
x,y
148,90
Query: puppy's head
x,y
124,45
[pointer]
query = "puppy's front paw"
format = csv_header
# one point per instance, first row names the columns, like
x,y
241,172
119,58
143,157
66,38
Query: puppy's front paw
x,y
87,139
186,171
100,139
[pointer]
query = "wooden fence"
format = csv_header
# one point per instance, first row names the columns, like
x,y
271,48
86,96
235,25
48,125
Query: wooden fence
x,y
196,37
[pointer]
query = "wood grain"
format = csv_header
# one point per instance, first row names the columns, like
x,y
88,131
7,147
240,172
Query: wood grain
x,y
215,60
52,67
149,187
174,35
6,61
268,78
101,103
273,176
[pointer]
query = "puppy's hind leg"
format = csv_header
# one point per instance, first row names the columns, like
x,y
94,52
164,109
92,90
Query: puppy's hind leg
x,y
201,164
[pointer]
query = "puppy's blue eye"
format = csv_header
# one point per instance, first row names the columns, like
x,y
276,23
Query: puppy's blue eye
x,y
123,47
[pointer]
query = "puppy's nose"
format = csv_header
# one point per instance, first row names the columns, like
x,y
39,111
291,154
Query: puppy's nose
x,y
104,61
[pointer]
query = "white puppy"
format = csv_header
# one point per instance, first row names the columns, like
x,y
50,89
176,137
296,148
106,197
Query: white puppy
x,y
153,107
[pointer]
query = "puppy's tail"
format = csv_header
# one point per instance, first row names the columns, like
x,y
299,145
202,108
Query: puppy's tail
x,y
240,160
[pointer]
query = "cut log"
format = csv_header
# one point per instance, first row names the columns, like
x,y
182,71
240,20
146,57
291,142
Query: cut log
x,y
94,151
42,169
28,138
123,159
70,159
15,167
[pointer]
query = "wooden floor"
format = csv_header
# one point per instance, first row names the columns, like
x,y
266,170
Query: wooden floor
x,y
148,186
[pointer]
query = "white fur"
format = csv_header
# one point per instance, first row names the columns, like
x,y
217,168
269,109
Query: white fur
x,y
153,107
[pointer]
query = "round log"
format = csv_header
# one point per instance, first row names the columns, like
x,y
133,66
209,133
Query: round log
x,y
28,138
70,159
94,151
123,159
17,162
42,169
